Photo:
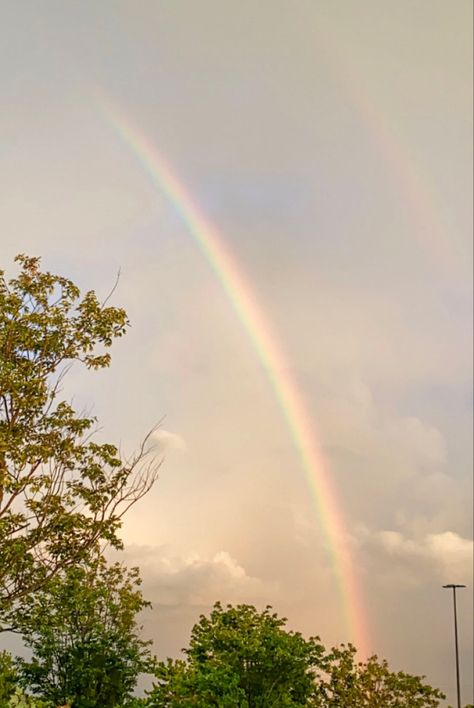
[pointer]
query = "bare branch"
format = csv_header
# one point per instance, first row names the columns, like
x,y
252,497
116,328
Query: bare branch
x,y
114,288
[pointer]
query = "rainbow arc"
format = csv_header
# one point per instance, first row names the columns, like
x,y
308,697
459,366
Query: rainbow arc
x,y
272,358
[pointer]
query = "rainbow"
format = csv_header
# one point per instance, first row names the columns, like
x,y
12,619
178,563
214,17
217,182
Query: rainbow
x,y
428,224
272,358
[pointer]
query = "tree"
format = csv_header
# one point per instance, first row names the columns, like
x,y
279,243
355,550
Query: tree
x,y
19,699
85,640
11,694
8,677
239,657
61,493
342,681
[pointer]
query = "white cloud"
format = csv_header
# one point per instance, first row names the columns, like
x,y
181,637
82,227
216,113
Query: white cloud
x,y
452,553
449,555
163,440
195,580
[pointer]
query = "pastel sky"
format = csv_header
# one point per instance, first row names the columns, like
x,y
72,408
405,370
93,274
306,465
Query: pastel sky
x,y
329,145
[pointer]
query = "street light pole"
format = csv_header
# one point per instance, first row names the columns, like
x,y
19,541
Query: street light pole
x,y
458,684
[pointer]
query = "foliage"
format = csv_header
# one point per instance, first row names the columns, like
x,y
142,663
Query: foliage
x,y
84,637
239,657
342,681
8,677
11,695
60,493
19,699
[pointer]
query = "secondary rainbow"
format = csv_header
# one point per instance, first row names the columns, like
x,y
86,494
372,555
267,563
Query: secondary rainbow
x,y
244,302
427,224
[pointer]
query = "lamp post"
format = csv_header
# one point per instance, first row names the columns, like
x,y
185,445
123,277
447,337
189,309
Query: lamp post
x,y
458,685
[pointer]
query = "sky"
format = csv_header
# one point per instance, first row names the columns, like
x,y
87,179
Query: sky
x,y
327,146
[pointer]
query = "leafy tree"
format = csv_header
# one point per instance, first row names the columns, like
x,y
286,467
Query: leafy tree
x,y
8,677
11,694
85,640
239,657
61,494
342,681
19,699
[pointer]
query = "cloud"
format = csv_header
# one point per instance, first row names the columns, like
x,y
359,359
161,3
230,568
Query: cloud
x,y
452,553
163,440
350,413
418,440
447,555
194,580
